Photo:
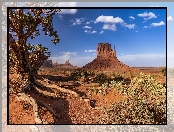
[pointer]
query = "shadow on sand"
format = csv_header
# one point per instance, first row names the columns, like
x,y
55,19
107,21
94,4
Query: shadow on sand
x,y
60,106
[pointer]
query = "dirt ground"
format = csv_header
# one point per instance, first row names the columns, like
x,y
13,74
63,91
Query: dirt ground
x,y
72,110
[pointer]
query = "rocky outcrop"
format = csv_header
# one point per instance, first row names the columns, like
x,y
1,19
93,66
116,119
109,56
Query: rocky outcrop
x,y
67,63
106,60
104,50
48,64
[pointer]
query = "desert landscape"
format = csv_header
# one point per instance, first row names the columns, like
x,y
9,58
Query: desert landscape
x,y
104,91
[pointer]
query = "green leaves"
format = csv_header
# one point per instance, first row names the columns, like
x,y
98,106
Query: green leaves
x,y
101,78
26,56
113,83
77,74
93,90
105,85
145,103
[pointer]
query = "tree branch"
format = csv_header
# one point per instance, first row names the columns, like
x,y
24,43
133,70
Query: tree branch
x,y
12,21
37,20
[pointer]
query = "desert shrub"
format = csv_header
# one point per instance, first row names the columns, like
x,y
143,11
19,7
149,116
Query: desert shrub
x,y
101,90
93,90
118,78
113,83
101,79
91,73
164,71
145,103
77,74
105,85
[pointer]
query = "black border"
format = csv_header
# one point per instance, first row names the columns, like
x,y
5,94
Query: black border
x,y
77,8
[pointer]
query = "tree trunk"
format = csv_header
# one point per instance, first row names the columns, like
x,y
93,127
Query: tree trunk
x,y
31,81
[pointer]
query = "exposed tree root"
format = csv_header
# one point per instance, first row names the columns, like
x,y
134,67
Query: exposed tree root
x,y
49,108
34,103
46,93
37,87
54,86
49,94
27,98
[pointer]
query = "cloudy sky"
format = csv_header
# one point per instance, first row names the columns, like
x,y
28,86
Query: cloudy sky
x,y
139,35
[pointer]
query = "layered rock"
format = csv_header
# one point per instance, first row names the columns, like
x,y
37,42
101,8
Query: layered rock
x,y
104,51
106,60
56,64
48,64
67,63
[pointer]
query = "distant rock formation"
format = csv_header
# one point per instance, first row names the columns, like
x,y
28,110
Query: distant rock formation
x,y
67,64
56,64
48,64
106,60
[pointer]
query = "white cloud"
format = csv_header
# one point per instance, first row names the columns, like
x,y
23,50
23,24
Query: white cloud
x,y
94,32
138,60
74,59
64,57
68,54
158,24
169,18
87,22
101,32
130,26
108,19
90,50
113,21
136,31
147,16
131,17
144,60
145,27
87,27
109,27
77,21
90,32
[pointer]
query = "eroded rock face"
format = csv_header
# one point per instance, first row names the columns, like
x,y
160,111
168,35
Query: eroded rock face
x,y
104,50
48,63
106,60
67,63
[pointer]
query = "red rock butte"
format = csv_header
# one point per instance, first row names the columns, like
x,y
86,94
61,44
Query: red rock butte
x,y
48,64
107,61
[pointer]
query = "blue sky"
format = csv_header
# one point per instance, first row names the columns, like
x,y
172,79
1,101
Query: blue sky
x,y
139,35
136,59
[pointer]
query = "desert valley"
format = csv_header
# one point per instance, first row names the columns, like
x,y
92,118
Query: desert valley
x,y
104,91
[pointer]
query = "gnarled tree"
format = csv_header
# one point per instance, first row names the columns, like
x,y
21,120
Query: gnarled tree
x,y
26,58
